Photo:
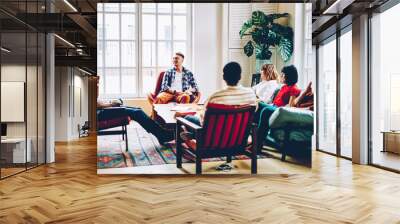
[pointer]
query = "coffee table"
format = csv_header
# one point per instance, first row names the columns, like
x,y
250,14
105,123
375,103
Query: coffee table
x,y
166,112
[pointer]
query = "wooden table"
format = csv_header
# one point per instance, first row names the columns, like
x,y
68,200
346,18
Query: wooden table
x,y
166,112
391,141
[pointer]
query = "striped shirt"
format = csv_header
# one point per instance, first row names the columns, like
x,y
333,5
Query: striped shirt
x,y
233,95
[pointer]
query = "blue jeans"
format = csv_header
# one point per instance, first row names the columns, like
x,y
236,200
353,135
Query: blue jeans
x,y
151,126
193,119
138,115
263,114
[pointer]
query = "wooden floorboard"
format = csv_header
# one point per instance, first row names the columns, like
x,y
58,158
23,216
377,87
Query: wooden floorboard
x,y
70,191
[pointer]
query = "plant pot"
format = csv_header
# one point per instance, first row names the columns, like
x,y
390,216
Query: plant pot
x,y
260,63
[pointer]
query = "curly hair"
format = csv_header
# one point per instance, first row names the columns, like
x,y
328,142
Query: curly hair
x,y
232,73
291,75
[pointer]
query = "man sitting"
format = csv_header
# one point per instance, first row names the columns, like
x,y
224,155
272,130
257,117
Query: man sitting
x,y
137,114
178,83
233,94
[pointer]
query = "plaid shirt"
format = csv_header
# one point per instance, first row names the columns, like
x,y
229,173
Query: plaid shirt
x,y
187,80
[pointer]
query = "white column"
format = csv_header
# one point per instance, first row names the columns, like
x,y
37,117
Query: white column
x,y
360,90
50,99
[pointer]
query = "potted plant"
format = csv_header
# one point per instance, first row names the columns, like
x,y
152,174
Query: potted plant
x,y
265,33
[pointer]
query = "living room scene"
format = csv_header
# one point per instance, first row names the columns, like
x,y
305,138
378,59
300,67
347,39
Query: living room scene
x,y
216,88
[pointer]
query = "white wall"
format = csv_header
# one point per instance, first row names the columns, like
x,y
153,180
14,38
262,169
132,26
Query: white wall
x,y
207,49
33,126
70,84
61,103
212,50
12,73
80,111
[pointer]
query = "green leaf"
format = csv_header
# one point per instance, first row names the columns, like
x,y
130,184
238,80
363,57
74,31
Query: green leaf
x,y
265,33
248,49
246,26
286,49
257,35
263,52
258,18
276,16
285,31
258,51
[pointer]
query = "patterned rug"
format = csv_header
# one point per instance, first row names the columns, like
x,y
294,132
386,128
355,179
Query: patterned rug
x,y
144,150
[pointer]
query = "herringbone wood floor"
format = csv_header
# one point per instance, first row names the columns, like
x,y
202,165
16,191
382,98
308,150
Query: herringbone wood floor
x,y
69,191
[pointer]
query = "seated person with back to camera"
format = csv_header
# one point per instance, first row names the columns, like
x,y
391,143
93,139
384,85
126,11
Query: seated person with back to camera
x,y
233,94
269,82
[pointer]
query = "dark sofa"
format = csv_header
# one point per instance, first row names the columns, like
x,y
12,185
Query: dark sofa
x,y
291,132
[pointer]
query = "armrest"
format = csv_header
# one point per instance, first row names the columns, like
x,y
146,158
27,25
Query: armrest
x,y
290,116
188,124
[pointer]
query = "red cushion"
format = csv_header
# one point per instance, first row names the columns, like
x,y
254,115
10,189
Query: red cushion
x,y
218,130
210,127
243,128
158,83
236,127
228,126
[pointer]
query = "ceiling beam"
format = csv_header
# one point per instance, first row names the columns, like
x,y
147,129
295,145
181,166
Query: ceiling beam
x,y
83,61
86,27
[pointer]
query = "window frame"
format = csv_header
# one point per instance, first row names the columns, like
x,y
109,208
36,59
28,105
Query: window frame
x,y
138,42
337,38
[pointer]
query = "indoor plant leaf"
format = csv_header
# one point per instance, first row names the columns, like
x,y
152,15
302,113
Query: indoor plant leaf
x,y
246,26
265,33
257,36
263,52
258,52
258,18
276,16
286,49
248,48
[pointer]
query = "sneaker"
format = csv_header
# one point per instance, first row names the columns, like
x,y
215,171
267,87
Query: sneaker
x,y
224,167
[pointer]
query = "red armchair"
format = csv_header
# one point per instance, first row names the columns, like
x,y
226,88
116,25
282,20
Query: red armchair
x,y
111,118
224,134
151,97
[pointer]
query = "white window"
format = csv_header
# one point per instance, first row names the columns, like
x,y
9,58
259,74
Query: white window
x,y
136,41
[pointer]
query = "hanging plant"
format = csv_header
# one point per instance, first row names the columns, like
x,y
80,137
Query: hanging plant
x,y
265,34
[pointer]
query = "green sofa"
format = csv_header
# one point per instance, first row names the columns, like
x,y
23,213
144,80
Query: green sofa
x,y
291,132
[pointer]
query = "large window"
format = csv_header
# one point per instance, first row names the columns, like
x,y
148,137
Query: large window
x,y
335,107
327,97
136,43
346,94
385,89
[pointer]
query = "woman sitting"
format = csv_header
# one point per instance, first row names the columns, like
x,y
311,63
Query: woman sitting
x,y
287,95
265,89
